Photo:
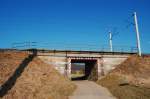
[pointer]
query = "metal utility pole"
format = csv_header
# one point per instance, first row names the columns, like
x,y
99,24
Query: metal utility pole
x,y
110,41
137,34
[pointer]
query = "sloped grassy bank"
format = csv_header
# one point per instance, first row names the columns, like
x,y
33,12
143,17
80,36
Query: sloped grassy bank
x,y
130,80
37,81
123,90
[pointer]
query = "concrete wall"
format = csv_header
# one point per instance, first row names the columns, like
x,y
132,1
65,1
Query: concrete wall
x,y
110,62
61,62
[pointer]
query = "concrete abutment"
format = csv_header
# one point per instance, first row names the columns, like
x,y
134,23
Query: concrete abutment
x,y
99,64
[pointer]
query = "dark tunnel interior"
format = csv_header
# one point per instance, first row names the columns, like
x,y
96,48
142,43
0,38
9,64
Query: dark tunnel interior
x,y
90,69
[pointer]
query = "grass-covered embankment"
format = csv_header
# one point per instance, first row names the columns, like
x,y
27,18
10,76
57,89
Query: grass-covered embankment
x,y
130,80
121,89
37,80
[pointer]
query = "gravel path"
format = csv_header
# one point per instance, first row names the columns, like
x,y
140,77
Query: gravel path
x,y
90,90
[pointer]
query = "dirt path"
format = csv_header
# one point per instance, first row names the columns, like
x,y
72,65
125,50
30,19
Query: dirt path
x,y
90,90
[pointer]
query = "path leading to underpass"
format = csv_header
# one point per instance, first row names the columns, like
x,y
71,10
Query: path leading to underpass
x,y
90,90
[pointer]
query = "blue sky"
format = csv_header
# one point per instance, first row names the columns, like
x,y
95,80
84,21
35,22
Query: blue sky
x,y
73,21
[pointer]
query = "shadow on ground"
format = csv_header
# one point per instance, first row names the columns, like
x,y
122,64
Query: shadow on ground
x,y
12,80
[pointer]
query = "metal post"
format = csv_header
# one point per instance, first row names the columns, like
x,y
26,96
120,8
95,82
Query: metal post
x,y
110,41
137,34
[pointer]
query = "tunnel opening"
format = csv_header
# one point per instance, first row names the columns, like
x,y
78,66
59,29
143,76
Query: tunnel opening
x,y
84,69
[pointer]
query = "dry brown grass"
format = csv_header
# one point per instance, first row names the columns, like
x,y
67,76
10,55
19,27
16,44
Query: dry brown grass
x,y
38,81
9,61
136,70
126,91
130,80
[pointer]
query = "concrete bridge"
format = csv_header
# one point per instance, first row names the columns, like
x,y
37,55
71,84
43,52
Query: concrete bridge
x,y
97,64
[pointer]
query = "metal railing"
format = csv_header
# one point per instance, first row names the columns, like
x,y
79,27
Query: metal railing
x,y
73,47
